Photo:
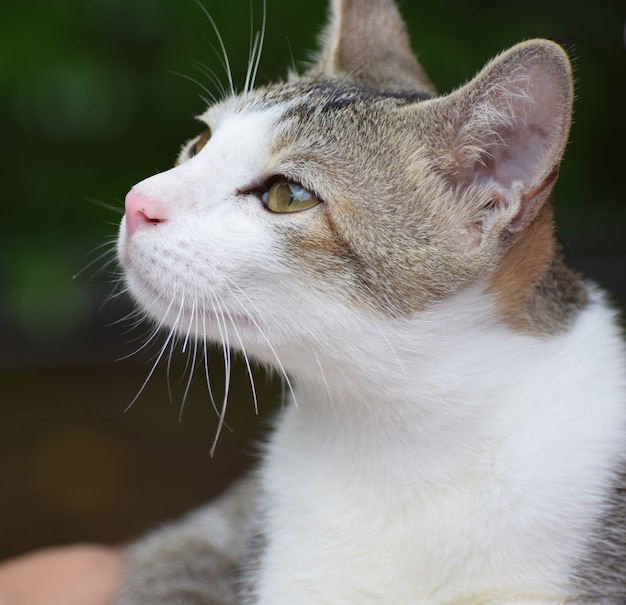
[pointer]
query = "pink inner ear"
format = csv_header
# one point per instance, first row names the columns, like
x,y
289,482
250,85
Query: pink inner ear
x,y
513,163
519,121
522,160
520,157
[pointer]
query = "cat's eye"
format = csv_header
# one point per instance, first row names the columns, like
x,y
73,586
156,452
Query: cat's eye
x,y
196,148
287,196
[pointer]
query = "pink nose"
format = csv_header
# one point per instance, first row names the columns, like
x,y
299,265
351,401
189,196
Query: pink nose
x,y
142,211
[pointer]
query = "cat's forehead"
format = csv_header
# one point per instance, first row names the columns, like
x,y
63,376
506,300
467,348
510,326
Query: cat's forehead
x,y
305,98
331,93
325,131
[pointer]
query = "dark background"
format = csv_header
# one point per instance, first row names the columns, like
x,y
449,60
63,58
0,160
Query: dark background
x,y
98,94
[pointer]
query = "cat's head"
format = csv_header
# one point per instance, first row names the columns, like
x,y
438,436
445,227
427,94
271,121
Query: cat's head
x,y
353,191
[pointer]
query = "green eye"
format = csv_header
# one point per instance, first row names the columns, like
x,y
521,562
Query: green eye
x,y
287,196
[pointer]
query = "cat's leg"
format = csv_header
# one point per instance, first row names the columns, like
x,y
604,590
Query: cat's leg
x,y
196,560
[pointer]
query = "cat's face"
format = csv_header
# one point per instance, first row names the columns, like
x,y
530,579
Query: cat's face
x,y
269,220
308,207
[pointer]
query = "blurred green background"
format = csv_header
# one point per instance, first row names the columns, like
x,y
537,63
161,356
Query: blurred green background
x,y
98,94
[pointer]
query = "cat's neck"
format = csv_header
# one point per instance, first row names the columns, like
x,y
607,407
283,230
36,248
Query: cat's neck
x,y
424,358
431,392
420,389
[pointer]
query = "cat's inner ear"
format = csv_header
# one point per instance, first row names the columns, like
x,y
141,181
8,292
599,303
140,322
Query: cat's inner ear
x,y
509,130
366,41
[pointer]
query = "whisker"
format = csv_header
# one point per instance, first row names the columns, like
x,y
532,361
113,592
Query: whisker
x,y
224,54
394,353
247,87
206,364
168,372
211,73
294,67
265,338
188,333
221,325
197,83
135,317
260,45
132,320
194,319
326,385
109,252
150,374
211,76
118,290
96,202
256,48
155,331
109,241
251,50
248,368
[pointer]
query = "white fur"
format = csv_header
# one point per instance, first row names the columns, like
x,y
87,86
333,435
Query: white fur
x,y
441,459
208,223
468,474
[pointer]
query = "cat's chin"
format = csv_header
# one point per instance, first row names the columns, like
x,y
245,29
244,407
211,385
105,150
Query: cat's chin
x,y
185,316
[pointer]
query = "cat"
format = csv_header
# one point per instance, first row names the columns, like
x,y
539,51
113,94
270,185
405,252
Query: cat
x,y
456,431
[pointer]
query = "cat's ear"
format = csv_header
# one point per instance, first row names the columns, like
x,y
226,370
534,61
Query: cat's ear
x,y
366,41
503,134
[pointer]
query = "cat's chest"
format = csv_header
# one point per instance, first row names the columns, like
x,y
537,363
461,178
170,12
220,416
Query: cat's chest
x,y
365,553
372,543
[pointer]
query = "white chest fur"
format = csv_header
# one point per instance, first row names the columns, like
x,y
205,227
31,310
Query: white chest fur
x,y
489,503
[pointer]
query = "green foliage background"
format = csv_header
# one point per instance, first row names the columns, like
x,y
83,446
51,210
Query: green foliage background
x,y
92,100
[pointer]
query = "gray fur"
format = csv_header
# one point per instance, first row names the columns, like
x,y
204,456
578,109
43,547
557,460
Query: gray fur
x,y
601,576
197,560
